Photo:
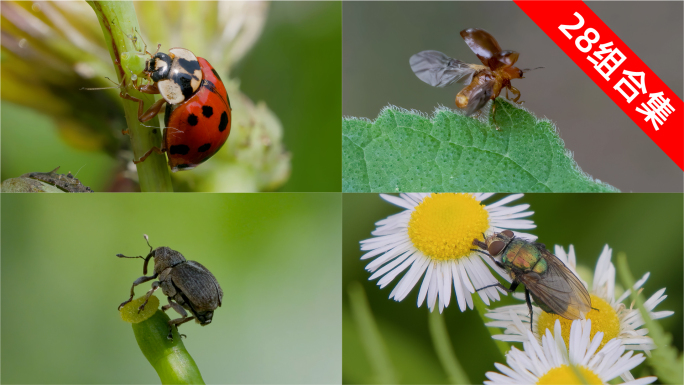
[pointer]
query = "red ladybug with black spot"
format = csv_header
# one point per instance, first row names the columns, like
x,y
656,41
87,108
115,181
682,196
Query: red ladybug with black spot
x,y
198,112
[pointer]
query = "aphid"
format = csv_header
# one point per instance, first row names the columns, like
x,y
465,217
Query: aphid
x,y
67,182
198,112
186,284
554,288
484,82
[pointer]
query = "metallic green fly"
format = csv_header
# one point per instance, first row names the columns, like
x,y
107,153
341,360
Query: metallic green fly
x,y
554,287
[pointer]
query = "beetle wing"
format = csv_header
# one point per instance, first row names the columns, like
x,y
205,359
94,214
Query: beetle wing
x,y
481,43
559,289
198,285
439,70
479,96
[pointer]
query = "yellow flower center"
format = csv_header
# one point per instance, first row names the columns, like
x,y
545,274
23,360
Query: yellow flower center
x,y
604,320
565,375
443,226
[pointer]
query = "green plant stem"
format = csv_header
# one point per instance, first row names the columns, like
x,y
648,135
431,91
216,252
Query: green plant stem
x,y
375,349
118,19
169,358
665,360
482,311
444,350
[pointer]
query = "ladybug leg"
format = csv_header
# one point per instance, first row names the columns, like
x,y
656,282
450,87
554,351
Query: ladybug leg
x,y
148,153
152,111
144,116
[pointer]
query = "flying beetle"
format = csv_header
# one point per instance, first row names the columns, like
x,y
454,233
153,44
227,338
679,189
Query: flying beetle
x,y
554,287
483,82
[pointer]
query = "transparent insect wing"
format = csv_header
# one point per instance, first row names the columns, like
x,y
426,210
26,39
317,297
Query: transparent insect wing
x,y
439,70
481,43
559,289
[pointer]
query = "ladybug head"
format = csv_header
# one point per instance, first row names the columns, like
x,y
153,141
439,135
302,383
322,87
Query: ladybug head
x,y
158,66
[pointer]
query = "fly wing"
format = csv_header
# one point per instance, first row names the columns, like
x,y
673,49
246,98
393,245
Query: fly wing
x,y
479,96
559,289
439,70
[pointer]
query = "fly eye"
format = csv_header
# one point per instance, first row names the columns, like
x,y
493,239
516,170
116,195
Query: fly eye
x,y
507,233
495,247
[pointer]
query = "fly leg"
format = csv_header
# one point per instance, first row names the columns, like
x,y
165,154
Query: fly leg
x,y
484,246
529,306
514,286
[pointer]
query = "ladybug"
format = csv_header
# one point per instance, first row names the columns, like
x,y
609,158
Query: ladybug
x,y
198,112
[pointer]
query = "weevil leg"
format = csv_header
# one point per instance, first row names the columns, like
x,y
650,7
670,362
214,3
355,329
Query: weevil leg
x,y
155,286
177,322
529,306
178,308
136,283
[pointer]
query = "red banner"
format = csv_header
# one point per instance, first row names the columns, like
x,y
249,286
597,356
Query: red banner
x,y
615,68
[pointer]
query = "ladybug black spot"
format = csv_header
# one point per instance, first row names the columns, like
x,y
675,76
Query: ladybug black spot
x,y
204,147
179,149
216,74
192,120
207,111
224,121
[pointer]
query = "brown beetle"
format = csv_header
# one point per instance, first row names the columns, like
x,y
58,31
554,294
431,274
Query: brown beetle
x,y
187,284
484,82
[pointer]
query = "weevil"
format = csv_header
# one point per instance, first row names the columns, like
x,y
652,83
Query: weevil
x,y
186,284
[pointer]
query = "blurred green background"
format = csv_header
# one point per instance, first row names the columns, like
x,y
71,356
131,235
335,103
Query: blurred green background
x,y
295,67
276,256
648,227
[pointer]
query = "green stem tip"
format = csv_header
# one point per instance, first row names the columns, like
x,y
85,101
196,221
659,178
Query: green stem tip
x,y
169,358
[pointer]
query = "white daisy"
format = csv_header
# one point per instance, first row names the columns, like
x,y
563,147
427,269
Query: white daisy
x,y
614,318
434,236
553,363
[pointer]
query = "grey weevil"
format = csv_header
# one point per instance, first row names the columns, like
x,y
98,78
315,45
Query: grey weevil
x,y
186,284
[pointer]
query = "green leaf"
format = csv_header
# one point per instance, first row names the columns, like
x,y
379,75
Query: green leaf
x,y
403,151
